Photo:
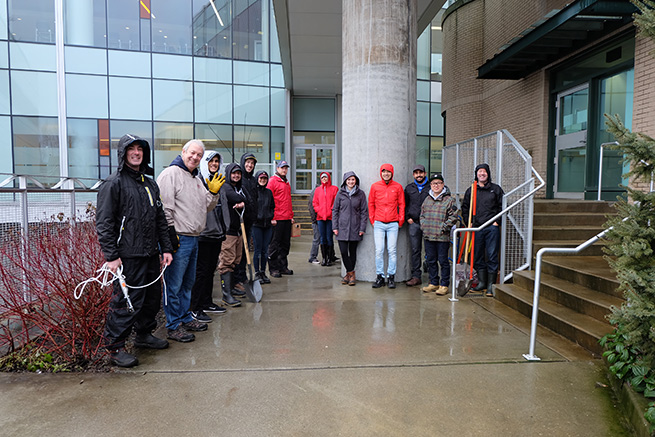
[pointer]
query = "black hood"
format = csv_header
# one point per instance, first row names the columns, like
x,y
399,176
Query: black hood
x,y
257,175
486,167
245,157
124,142
228,174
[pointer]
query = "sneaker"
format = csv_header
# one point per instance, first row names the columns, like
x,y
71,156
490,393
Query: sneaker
x,y
213,308
201,317
314,261
276,274
442,290
149,341
195,326
180,335
121,358
287,271
430,288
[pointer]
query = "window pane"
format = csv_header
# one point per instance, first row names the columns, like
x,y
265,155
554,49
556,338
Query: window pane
x,y
251,105
422,118
423,152
213,70
36,146
7,162
212,29
33,56
83,148
117,129
34,93
217,137
32,20
129,98
213,103
172,100
4,92
423,55
251,73
275,43
314,114
277,75
3,20
86,96
436,120
423,90
83,60
250,37
249,139
573,112
277,144
435,92
85,23
123,24
169,139
171,30
436,153
278,106
129,64
171,67
4,54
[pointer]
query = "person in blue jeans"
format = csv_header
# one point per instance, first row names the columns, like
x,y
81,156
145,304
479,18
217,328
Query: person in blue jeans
x,y
263,222
487,241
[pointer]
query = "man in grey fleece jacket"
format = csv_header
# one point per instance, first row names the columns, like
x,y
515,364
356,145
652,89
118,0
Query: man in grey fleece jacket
x,y
186,203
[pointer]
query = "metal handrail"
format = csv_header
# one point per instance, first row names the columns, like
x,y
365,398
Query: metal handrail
x,y
530,356
542,183
600,164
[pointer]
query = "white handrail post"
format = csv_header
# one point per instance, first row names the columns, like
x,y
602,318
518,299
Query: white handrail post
x,y
600,165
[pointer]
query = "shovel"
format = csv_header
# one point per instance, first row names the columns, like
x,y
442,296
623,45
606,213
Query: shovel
x,y
464,272
254,287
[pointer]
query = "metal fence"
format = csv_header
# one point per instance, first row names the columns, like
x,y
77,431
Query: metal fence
x,y
511,168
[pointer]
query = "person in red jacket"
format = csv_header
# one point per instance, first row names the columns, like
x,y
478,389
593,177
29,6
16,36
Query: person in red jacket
x,y
278,250
386,211
323,202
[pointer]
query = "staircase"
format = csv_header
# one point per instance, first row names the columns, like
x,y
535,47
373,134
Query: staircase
x,y
301,212
576,291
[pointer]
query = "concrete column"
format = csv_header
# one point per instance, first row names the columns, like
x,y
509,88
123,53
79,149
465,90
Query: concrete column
x,y
379,105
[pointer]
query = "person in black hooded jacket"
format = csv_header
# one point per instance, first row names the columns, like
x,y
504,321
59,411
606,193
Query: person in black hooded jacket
x,y
248,162
262,229
489,202
132,231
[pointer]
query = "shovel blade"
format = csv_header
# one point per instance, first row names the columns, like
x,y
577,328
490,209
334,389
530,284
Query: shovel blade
x,y
254,291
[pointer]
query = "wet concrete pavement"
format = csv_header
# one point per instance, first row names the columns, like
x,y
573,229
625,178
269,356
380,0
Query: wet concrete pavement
x,y
317,358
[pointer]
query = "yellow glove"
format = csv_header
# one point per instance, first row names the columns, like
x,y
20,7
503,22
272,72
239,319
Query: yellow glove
x,y
214,184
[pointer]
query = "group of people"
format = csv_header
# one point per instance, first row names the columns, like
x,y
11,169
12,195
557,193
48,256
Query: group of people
x,y
192,222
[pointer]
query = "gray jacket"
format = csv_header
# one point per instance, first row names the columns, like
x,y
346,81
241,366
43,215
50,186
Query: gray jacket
x,y
350,211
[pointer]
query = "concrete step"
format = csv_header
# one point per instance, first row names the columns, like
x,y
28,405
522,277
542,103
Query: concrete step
x,y
580,328
595,250
565,232
573,206
577,297
589,271
566,219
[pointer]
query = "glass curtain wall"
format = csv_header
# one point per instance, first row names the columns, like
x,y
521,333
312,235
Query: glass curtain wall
x,y
166,70
429,122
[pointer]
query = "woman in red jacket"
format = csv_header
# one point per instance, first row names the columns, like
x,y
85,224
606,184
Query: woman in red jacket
x,y
323,202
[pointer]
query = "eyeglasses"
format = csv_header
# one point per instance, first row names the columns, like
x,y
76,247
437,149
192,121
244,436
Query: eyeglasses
x,y
436,183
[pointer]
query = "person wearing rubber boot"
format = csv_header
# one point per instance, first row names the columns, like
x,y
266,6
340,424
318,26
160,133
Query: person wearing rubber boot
x,y
247,162
386,211
233,199
438,216
323,202
487,241
209,248
132,231
415,193
349,216
186,204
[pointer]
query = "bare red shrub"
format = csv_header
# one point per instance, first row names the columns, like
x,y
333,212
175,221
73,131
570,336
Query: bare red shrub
x,y
38,277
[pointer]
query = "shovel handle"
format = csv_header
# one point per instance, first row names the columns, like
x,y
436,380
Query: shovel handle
x,y
245,242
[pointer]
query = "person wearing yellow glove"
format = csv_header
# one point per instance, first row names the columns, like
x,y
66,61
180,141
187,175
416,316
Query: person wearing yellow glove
x,y
215,182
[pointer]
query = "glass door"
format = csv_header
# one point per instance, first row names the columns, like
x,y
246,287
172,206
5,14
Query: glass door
x,y
571,142
309,161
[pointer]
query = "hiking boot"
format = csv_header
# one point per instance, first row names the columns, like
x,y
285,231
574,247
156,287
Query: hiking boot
x,y
265,279
213,308
430,288
121,358
239,290
352,279
180,335
195,326
442,290
200,317
149,341
379,282
413,282
346,279
391,281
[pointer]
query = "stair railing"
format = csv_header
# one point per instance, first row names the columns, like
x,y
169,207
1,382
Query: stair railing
x,y
600,165
530,356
